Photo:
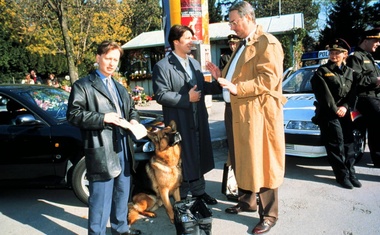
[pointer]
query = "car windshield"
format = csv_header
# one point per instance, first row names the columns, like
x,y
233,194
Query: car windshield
x,y
299,81
51,100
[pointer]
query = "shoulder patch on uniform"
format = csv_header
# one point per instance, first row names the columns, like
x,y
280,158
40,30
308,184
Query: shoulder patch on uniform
x,y
329,75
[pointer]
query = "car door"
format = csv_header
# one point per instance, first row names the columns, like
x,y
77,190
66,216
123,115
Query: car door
x,y
26,149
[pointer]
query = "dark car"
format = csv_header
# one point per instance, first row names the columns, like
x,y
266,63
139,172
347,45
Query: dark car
x,y
38,144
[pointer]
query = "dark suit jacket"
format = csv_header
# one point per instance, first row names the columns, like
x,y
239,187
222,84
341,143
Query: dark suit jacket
x,y
89,101
171,85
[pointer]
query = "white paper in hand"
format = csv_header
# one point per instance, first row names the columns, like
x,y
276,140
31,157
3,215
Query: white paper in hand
x,y
138,130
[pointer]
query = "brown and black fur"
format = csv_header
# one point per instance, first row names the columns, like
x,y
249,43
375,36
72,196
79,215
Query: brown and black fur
x,y
165,173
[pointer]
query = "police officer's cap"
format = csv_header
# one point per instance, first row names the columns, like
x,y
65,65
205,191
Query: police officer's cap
x,y
233,38
372,33
339,44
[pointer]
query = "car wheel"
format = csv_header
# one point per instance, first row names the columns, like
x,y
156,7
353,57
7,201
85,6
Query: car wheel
x,y
80,182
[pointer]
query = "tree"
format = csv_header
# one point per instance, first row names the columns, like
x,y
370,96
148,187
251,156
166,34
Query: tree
x,y
214,11
69,30
145,16
345,20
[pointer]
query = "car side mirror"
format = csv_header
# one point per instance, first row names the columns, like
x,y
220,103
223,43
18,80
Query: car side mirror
x,y
27,119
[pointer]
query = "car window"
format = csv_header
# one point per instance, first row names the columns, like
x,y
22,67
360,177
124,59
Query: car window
x,y
10,110
299,81
53,101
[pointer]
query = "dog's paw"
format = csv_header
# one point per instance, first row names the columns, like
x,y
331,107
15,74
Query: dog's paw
x,y
149,214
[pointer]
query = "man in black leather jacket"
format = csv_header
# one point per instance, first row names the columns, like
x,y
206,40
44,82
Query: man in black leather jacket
x,y
368,88
108,147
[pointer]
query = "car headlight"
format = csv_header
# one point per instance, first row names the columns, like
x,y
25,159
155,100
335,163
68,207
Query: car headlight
x,y
302,125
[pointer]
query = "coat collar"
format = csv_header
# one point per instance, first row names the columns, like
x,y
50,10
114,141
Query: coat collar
x,y
177,66
250,48
98,84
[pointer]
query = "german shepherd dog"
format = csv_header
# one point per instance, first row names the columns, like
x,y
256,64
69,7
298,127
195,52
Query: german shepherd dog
x,y
165,173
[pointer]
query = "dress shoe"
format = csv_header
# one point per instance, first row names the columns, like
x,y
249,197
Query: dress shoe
x,y
355,182
132,232
345,183
238,208
208,199
263,227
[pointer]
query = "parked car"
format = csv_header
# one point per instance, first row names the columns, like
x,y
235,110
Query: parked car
x,y
302,136
38,144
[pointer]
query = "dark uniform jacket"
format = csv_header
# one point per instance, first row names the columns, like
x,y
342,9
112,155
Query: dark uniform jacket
x,y
333,87
171,87
367,71
88,103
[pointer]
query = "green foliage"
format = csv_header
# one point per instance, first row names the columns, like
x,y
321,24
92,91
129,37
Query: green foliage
x,y
214,11
60,36
145,16
347,20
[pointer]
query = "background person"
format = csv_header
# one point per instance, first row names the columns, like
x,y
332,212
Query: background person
x,y
179,86
368,88
53,81
252,83
27,79
333,86
96,105
233,40
36,79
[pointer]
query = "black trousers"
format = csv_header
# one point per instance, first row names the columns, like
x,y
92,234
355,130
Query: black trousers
x,y
230,134
369,107
337,136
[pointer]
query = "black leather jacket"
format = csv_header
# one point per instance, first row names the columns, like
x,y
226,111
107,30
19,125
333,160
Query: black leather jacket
x,y
88,103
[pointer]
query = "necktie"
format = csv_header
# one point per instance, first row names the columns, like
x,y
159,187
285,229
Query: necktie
x,y
113,94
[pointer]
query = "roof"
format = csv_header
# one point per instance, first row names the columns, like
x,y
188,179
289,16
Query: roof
x,y
220,31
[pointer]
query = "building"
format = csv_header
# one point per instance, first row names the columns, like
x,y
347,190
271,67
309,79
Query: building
x,y
147,48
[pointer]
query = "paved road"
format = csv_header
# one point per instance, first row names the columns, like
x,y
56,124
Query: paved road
x,y
310,203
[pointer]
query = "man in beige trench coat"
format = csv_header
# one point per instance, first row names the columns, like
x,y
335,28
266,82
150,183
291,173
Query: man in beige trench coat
x,y
253,81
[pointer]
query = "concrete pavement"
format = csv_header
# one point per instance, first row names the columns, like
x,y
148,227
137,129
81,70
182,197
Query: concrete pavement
x,y
311,202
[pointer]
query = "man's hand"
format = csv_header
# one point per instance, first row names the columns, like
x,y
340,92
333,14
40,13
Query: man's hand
x,y
228,85
194,95
113,118
214,70
341,112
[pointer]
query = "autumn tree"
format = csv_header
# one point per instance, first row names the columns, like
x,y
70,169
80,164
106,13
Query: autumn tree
x,y
68,30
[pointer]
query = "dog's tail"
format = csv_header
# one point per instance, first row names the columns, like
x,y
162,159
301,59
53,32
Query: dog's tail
x,y
142,204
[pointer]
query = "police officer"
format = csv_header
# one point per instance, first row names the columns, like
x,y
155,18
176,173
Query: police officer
x,y
232,43
368,88
332,85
